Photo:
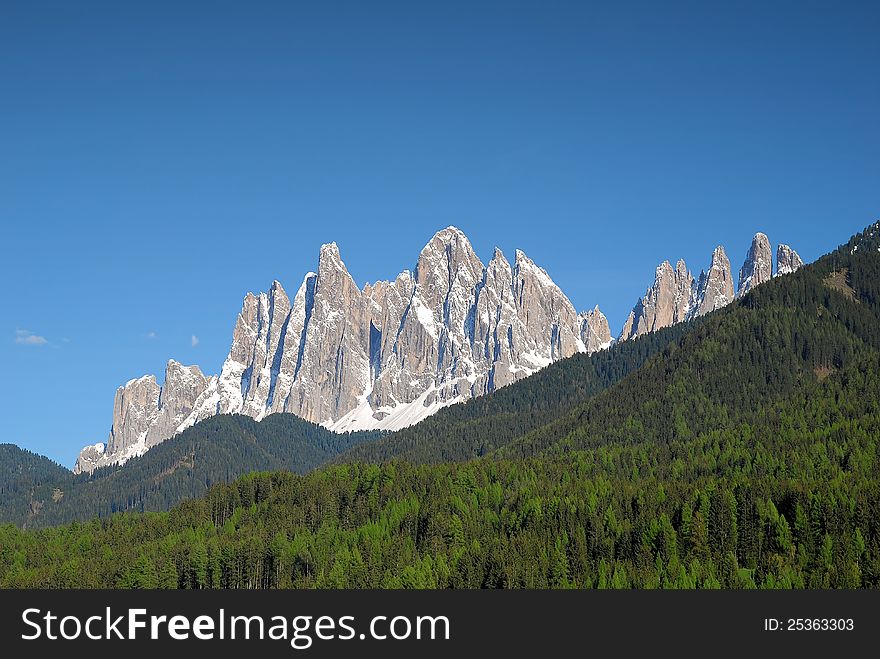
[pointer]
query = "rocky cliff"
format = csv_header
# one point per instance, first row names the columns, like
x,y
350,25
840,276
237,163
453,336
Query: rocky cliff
x,y
675,296
758,266
787,260
384,356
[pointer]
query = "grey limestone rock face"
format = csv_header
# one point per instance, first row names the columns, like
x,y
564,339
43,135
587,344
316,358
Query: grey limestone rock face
x,y
384,356
497,332
332,360
390,354
787,260
595,331
145,414
758,266
714,288
135,409
549,319
177,399
89,459
666,302
676,296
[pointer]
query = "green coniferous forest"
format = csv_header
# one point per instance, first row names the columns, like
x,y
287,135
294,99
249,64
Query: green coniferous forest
x,y
743,452
36,492
222,448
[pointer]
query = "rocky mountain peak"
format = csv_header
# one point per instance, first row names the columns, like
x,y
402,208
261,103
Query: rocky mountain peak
x,y
720,262
330,261
521,259
787,260
675,296
758,266
498,255
329,251
145,414
450,234
276,289
666,302
595,330
449,244
499,264
715,286
546,313
681,269
446,269
176,374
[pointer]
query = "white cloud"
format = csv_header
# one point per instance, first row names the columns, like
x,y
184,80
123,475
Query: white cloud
x,y
194,340
28,338
152,335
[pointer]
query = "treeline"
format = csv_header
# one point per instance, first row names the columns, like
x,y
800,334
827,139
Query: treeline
x,y
36,492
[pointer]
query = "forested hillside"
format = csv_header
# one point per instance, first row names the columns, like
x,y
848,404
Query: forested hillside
x,y
776,342
218,450
745,454
790,501
22,474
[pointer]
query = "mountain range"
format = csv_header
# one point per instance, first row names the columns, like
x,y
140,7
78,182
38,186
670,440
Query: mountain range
x,y
386,356
738,449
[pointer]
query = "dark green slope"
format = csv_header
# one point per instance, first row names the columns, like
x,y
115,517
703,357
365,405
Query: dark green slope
x,y
776,342
26,480
20,468
216,450
790,501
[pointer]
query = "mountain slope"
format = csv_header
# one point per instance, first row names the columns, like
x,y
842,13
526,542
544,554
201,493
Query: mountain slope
x,y
26,481
779,338
791,500
676,296
216,450
221,448
395,352
697,375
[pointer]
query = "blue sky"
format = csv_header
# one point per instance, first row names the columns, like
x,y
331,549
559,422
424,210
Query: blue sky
x,y
159,161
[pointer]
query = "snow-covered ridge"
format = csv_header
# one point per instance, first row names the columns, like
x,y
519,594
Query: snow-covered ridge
x,y
385,356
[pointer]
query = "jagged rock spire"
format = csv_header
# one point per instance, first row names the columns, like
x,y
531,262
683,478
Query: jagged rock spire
x,y
787,260
758,266
665,303
714,288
